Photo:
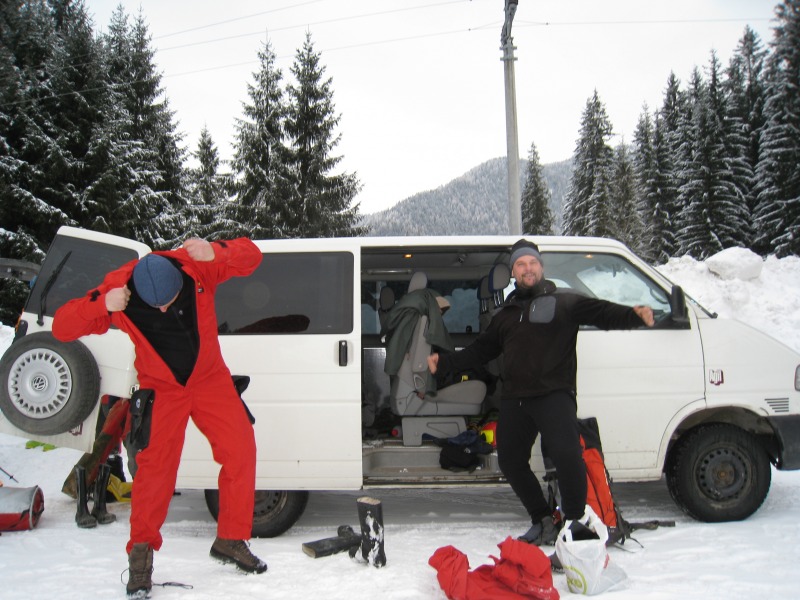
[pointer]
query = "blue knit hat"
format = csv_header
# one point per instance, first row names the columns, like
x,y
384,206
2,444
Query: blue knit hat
x,y
157,280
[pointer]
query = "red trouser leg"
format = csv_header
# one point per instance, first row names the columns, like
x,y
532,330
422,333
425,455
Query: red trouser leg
x,y
219,414
157,467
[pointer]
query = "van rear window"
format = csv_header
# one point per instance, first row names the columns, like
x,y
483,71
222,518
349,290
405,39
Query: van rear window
x,y
290,293
84,264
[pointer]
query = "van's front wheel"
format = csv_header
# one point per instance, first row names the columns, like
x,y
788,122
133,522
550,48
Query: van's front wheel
x,y
718,473
273,514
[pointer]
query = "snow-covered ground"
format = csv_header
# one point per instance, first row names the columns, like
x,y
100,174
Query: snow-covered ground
x,y
756,558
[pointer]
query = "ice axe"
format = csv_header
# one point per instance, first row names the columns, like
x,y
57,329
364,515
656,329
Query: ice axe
x,y
10,476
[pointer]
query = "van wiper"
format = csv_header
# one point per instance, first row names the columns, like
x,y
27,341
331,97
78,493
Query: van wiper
x,y
50,281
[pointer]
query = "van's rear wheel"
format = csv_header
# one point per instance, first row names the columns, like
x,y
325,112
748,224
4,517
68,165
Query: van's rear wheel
x,y
718,473
47,387
274,512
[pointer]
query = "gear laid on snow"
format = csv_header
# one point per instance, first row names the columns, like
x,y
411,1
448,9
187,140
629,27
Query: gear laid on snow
x,y
83,518
20,508
99,511
522,572
370,516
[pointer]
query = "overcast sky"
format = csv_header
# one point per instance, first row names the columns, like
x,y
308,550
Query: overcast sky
x,y
419,84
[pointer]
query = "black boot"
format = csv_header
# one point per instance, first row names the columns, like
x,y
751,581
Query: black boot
x,y
115,461
99,511
82,517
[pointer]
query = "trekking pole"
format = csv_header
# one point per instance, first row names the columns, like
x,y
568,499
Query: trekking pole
x,y
10,476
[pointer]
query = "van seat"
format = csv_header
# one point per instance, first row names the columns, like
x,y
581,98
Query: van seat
x,y
410,399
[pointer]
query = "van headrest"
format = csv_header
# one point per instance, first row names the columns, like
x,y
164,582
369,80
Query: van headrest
x,y
499,277
484,293
419,281
386,298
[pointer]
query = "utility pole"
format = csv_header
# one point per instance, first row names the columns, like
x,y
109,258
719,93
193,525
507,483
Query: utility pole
x,y
512,143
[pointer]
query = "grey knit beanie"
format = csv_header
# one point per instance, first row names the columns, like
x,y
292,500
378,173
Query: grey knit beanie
x,y
524,248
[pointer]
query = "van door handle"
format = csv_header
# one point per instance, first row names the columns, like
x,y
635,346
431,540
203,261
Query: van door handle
x,y
342,353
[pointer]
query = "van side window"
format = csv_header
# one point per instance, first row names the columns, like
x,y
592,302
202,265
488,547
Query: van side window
x,y
290,293
462,317
464,305
85,268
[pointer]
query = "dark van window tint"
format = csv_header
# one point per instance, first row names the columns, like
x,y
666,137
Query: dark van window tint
x,y
84,269
290,293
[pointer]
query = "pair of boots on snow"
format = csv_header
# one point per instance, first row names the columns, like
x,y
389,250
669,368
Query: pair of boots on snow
x,y
545,532
140,564
99,514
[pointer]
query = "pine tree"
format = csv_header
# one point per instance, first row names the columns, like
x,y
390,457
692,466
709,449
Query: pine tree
x,y
147,207
587,208
322,202
626,222
28,40
207,190
777,215
644,168
746,92
537,218
714,213
80,94
28,136
262,159
668,146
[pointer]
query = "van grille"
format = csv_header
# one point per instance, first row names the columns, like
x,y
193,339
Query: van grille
x,y
778,405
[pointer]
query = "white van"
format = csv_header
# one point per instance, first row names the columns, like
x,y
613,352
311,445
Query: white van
x,y
709,402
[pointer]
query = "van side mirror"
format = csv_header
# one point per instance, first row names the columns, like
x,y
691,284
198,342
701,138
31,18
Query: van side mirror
x,y
677,305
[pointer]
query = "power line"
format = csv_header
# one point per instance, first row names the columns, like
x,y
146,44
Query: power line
x,y
242,18
307,24
644,22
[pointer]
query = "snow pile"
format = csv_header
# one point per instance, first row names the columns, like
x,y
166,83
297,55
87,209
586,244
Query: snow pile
x,y
738,284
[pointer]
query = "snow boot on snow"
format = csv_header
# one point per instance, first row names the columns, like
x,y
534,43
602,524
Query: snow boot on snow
x,y
99,511
140,572
237,552
82,517
543,533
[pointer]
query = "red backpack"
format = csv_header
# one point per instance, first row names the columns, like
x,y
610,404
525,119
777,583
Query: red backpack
x,y
598,482
598,488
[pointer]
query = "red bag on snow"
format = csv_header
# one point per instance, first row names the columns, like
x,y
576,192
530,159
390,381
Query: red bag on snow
x,y
522,572
20,508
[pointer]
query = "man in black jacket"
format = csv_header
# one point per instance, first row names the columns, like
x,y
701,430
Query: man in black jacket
x,y
536,330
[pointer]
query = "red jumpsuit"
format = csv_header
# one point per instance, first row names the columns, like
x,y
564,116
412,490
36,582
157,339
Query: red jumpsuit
x,y
208,397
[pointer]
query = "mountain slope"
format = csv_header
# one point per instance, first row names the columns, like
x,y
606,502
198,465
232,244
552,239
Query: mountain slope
x,y
475,203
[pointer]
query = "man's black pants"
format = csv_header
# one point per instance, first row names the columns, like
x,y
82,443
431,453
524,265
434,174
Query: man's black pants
x,y
554,417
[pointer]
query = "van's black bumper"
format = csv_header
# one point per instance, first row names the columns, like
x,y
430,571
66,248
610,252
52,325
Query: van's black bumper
x,y
787,430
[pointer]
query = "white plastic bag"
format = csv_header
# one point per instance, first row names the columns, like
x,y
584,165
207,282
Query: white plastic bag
x,y
586,563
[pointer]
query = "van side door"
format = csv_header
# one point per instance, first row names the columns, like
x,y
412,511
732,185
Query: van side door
x,y
293,327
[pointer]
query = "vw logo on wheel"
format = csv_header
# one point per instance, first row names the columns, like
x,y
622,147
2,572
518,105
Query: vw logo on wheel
x,y
39,383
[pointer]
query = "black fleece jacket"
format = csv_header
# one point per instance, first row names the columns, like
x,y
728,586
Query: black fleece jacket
x,y
536,330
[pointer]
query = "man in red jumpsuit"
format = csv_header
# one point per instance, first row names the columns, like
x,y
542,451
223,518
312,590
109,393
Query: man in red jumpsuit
x,y
165,303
